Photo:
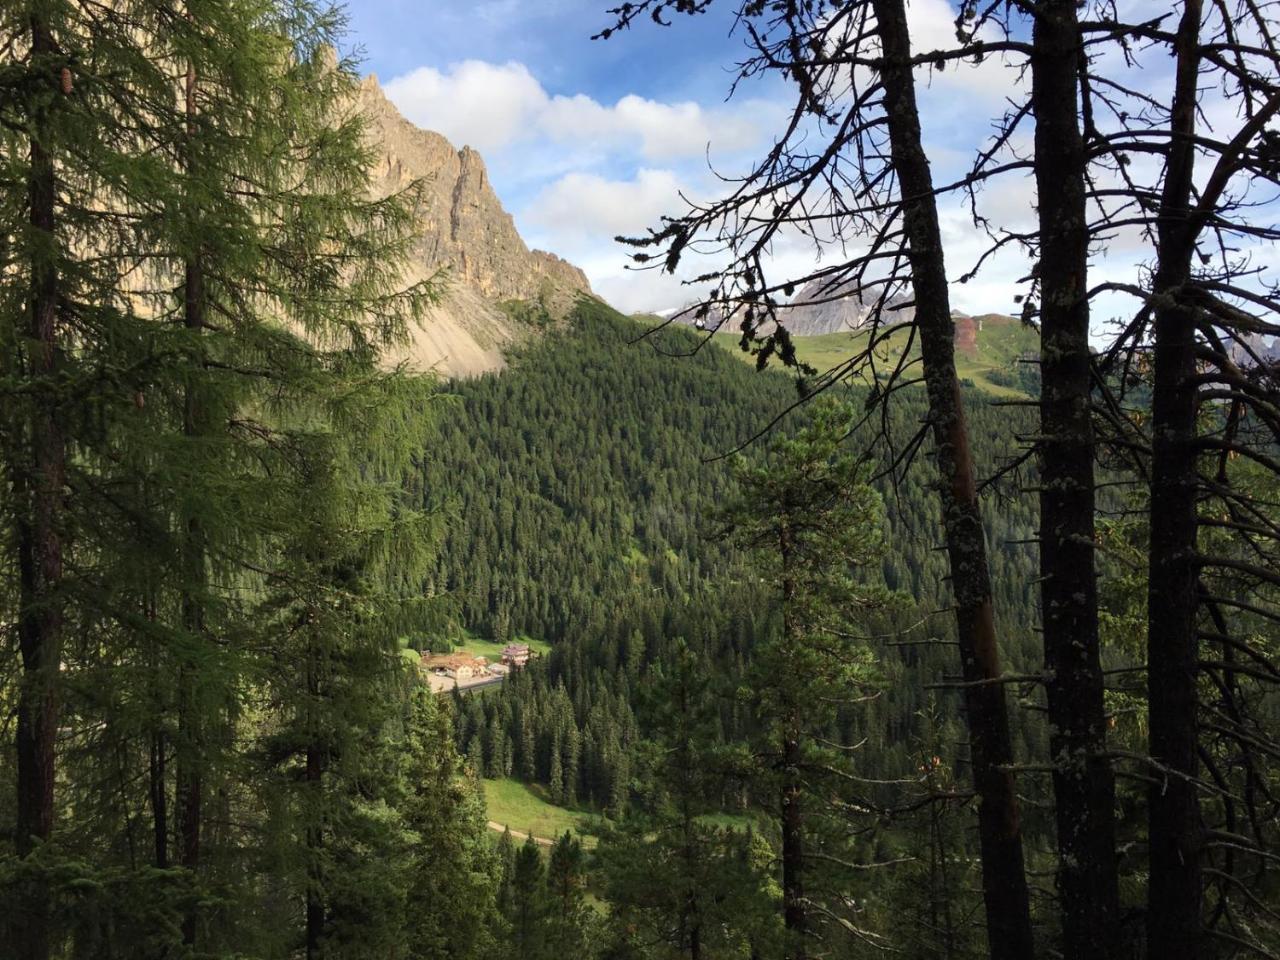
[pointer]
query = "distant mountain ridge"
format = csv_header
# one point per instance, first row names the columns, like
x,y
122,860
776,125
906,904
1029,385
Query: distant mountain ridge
x,y
466,232
821,308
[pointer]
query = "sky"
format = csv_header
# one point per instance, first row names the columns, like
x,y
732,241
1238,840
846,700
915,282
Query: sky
x,y
587,139
584,139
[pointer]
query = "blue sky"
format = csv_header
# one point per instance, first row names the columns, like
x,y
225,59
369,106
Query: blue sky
x,y
588,139
584,139
553,39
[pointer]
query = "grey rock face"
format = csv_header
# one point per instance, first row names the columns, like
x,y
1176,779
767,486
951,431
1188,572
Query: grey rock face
x,y
467,239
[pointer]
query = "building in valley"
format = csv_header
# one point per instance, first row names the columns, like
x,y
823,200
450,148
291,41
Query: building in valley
x,y
459,666
515,655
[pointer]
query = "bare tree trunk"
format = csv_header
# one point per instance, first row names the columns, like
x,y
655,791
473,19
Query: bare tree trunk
x,y
189,760
1004,882
1083,782
1174,835
40,542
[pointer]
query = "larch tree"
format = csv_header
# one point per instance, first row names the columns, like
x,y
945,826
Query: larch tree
x,y
75,86
815,529
223,283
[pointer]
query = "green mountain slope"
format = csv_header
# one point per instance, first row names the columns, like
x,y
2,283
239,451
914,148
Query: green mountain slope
x,y
581,484
992,363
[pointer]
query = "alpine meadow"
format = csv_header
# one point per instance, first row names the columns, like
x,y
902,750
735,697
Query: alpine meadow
x,y
855,535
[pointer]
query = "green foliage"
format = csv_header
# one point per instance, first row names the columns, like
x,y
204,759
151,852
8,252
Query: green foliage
x,y
530,313
551,470
994,366
526,808
583,481
813,529
676,882
244,765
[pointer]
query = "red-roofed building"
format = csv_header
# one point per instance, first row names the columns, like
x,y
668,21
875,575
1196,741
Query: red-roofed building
x,y
515,654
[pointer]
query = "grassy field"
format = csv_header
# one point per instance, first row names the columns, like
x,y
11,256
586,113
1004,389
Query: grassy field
x,y
483,647
525,808
999,344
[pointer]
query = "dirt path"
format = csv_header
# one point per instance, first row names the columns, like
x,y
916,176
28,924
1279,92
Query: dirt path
x,y
519,835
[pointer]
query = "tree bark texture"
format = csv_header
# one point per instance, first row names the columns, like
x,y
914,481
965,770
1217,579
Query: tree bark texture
x,y
1174,834
1083,781
1004,883
40,531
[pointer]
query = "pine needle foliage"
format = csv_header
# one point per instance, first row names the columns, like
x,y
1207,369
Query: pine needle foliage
x,y
209,555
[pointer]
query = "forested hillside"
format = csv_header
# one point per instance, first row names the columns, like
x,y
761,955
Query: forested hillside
x,y
967,648
581,487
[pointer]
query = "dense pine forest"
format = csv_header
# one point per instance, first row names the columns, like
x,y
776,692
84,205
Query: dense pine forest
x,y
598,463
627,649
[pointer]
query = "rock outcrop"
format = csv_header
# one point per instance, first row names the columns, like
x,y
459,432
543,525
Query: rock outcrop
x,y
467,239
818,307
823,307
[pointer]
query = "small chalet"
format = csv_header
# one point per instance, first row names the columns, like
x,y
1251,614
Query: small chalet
x,y
459,666
515,655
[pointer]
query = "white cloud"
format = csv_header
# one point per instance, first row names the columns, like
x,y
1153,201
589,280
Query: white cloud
x,y
638,291
932,25
484,105
581,207
493,106
579,215
662,130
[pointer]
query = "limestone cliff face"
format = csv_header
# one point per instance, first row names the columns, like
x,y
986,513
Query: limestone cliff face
x,y
823,307
465,233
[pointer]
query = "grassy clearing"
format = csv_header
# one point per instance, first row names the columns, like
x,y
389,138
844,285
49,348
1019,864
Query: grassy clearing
x,y
999,344
525,807
484,647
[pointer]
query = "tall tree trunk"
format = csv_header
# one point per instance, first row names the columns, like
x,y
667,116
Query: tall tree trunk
x,y
1083,782
315,898
939,882
159,800
1174,834
157,779
189,774
794,913
40,535
314,835
1004,881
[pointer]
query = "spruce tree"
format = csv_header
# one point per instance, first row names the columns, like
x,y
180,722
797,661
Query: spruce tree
x,y
816,530
529,903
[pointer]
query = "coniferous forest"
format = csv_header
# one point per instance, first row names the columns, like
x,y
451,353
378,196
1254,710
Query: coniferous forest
x,y
864,661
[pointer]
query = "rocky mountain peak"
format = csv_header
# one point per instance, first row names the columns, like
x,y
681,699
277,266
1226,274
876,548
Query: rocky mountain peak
x,y
465,232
